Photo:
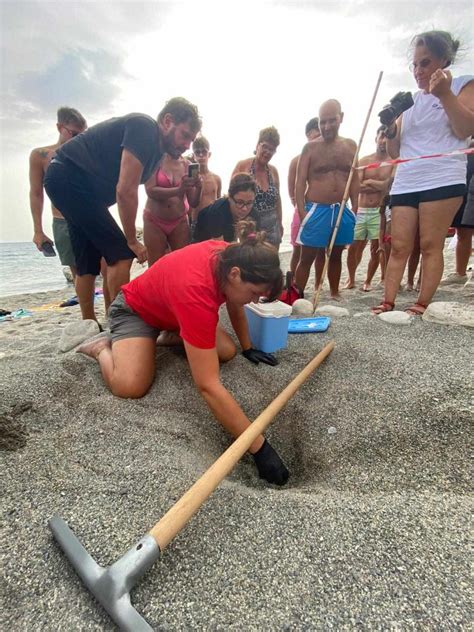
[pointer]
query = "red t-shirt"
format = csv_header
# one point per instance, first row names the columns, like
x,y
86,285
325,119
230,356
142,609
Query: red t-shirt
x,y
180,293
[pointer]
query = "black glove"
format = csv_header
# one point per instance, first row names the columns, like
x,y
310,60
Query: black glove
x,y
270,466
256,356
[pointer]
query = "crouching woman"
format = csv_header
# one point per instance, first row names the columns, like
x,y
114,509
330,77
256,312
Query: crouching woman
x,y
182,292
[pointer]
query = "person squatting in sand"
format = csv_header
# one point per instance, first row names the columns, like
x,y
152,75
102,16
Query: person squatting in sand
x,y
374,184
104,165
170,193
321,178
425,195
312,133
182,292
211,182
219,220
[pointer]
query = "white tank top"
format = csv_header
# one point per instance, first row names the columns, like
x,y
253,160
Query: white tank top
x,y
426,130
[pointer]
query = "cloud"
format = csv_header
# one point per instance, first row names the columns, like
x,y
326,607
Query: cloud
x,y
86,80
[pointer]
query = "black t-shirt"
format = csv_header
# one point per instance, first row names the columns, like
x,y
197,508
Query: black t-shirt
x,y
216,221
98,151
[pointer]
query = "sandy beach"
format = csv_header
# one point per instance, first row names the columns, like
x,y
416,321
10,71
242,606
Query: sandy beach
x,y
372,531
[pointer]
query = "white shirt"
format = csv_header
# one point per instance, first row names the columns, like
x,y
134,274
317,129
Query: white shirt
x,y
426,130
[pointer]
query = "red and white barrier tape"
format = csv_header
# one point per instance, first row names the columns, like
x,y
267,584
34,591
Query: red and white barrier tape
x,y
397,161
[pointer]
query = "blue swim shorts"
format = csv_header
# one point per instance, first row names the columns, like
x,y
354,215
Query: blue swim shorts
x,y
318,224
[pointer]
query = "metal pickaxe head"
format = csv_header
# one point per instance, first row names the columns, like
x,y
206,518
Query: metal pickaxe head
x,y
110,586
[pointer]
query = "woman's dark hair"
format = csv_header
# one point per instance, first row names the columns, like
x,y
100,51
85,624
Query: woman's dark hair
x,y
242,182
257,260
440,43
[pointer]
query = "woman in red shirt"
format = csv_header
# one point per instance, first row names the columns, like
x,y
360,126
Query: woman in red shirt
x,y
182,293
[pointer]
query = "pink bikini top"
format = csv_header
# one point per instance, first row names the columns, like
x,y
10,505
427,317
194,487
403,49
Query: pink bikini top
x,y
163,180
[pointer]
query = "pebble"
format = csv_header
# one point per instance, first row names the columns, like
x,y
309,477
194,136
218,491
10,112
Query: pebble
x,y
445,313
396,318
332,310
302,307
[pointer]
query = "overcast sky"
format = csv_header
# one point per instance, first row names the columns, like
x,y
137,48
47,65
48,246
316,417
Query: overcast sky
x,y
246,65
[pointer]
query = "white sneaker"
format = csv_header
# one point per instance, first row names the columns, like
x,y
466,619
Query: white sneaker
x,y
454,279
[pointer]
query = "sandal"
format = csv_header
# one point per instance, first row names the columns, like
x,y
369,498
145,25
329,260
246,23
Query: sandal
x,y
385,306
418,309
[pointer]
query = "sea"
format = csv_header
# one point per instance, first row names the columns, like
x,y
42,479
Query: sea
x,y
25,270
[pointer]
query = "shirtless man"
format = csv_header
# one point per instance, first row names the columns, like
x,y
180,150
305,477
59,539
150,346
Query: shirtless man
x,y
211,182
321,178
312,133
374,185
70,123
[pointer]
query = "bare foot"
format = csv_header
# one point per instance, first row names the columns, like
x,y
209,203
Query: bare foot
x,y
366,287
349,285
169,339
94,346
336,297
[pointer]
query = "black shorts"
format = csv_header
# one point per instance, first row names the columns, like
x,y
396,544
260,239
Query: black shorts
x,y
93,231
430,195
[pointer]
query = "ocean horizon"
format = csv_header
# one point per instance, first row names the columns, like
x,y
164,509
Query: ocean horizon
x,y
25,270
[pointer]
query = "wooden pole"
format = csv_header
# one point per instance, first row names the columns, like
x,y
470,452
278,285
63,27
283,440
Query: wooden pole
x,y
183,510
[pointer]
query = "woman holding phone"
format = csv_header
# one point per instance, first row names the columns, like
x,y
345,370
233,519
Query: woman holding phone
x,y
171,191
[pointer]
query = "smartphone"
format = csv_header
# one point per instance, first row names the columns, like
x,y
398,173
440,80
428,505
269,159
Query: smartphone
x,y
47,249
193,170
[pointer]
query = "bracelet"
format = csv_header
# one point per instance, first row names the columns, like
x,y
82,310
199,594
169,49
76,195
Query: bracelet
x,y
391,136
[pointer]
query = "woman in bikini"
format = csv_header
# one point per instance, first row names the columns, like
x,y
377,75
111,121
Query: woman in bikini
x,y
267,207
165,218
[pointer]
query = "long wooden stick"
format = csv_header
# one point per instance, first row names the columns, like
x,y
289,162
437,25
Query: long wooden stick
x,y
345,197
181,512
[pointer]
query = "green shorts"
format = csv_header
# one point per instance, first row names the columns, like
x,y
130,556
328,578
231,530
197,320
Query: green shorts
x,y
62,241
367,224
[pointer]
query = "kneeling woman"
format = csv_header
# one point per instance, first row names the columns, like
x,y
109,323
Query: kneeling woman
x,y
183,292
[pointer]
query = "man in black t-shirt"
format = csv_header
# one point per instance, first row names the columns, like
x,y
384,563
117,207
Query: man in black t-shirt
x,y
104,165
217,221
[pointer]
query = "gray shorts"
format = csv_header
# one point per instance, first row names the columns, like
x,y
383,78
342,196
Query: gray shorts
x,y
62,241
125,323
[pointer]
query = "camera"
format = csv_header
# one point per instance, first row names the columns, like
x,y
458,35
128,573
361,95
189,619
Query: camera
x,y
399,103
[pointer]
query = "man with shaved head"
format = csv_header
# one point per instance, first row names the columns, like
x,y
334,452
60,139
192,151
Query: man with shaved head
x,y
321,177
